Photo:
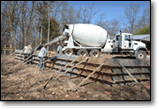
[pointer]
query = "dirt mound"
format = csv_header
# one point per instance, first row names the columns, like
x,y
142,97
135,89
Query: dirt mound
x,y
25,82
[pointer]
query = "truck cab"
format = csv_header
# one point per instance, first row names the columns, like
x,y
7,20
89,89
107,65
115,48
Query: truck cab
x,y
123,42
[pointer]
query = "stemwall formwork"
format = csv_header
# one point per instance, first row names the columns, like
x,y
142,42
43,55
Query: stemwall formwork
x,y
111,72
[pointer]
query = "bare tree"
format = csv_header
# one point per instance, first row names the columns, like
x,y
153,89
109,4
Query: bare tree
x,y
130,17
92,11
48,24
88,13
115,27
147,15
144,20
35,30
30,19
26,20
111,26
23,24
9,20
4,25
71,15
55,7
81,15
78,15
100,20
41,36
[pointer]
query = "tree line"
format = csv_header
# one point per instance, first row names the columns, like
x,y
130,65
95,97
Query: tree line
x,y
24,22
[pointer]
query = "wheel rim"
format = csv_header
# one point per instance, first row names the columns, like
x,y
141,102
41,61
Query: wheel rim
x,y
83,53
95,54
69,52
140,56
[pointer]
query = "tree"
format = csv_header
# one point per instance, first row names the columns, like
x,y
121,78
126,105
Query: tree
x,y
35,29
92,11
145,30
48,24
111,26
54,28
9,22
42,17
26,20
71,15
87,13
146,13
23,23
115,27
56,8
44,24
144,20
130,17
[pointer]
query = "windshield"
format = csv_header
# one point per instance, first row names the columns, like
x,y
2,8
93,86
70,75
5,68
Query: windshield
x,y
127,37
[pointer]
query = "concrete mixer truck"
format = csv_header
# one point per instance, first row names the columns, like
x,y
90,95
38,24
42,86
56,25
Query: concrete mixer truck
x,y
92,40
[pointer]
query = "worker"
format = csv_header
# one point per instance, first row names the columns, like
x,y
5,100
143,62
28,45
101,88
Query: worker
x,y
59,48
41,55
25,53
29,52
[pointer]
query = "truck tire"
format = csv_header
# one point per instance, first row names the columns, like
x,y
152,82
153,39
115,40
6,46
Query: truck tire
x,y
68,51
82,52
141,55
94,53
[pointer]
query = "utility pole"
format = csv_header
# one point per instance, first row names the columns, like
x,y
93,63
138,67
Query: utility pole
x,y
35,31
15,40
48,23
41,35
10,25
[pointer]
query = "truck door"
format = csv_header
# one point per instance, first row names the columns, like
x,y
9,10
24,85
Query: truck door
x,y
120,42
127,42
116,44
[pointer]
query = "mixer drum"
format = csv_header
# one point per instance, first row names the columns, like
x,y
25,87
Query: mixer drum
x,y
89,35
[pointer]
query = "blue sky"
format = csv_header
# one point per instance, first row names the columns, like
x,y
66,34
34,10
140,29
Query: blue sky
x,y
112,9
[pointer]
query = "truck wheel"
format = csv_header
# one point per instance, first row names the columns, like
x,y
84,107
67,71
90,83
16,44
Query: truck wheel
x,y
82,52
94,53
141,55
68,51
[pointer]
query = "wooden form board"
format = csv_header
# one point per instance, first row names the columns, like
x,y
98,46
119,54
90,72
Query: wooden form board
x,y
89,76
86,68
7,48
109,63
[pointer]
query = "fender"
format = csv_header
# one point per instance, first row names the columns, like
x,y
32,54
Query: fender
x,y
140,47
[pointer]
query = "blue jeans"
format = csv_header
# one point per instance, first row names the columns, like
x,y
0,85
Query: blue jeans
x,y
25,56
41,60
29,58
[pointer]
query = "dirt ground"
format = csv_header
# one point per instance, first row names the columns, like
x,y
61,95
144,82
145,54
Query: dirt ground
x,y
25,82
